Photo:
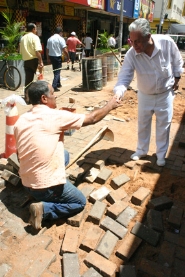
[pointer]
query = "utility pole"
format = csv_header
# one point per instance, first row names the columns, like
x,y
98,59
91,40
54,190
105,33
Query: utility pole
x,y
161,17
121,27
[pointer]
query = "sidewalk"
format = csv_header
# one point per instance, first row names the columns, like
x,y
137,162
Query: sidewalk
x,y
27,253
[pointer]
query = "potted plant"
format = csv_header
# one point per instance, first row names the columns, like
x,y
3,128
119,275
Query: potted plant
x,y
11,35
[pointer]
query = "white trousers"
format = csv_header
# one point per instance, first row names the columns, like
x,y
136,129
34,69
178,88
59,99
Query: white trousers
x,y
162,106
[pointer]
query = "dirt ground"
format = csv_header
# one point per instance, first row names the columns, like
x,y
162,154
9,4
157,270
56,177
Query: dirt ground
x,y
159,183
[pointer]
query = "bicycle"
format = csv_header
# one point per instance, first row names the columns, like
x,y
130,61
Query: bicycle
x,y
11,76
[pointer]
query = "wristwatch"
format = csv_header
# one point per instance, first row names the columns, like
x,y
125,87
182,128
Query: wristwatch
x,y
178,77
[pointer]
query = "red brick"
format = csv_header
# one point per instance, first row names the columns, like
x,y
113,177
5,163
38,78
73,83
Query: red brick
x,y
128,247
114,210
102,265
140,195
116,195
91,238
70,242
149,267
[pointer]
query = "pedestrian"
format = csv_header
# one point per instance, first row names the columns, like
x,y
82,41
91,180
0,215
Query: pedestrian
x,y
158,65
30,49
41,154
72,42
88,44
111,41
54,48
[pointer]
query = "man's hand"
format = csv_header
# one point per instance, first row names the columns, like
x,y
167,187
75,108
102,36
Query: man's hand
x,y
118,97
176,84
114,102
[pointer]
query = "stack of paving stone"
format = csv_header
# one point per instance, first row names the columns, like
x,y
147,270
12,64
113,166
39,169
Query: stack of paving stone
x,y
117,229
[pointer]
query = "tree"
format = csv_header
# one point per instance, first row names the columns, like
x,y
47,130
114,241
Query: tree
x,y
11,32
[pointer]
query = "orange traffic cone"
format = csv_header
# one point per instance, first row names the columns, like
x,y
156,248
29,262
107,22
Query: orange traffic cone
x,y
10,143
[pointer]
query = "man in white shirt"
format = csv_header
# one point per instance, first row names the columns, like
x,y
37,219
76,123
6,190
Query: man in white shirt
x,y
88,44
111,41
55,45
158,65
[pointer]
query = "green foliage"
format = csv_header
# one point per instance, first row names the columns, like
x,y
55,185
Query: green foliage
x,y
11,33
103,40
126,46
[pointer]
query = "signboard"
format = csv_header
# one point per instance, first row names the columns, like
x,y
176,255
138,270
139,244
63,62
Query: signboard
x,y
3,3
147,9
69,10
41,6
113,6
98,4
136,9
81,2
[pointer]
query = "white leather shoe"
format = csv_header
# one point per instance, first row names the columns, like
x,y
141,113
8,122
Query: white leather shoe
x,y
161,162
136,156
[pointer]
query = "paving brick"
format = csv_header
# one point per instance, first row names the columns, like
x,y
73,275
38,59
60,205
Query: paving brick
x,y
114,210
99,164
180,253
71,266
86,190
153,269
42,262
105,173
140,195
155,220
118,181
166,255
175,216
126,216
182,228
160,203
128,247
77,219
97,212
115,160
99,194
149,235
10,177
92,174
130,164
113,226
174,238
107,244
116,195
2,183
101,264
91,272
127,271
91,238
41,241
178,268
13,160
70,242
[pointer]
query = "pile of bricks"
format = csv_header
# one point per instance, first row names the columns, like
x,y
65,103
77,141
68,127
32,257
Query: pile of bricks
x,y
117,229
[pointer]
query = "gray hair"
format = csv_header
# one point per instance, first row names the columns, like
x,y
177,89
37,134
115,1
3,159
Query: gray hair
x,y
141,25
36,90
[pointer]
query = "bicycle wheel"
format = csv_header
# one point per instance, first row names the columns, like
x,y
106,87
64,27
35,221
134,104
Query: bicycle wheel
x,y
12,78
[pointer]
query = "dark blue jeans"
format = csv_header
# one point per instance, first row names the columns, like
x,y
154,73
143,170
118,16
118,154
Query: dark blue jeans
x,y
60,201
56,63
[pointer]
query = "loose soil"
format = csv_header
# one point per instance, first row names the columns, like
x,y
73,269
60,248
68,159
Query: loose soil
x,y
159,182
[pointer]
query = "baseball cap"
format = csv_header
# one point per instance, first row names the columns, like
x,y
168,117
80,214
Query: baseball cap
x,y
73,34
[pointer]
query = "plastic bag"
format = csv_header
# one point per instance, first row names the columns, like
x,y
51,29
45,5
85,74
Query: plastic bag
x,y
9,102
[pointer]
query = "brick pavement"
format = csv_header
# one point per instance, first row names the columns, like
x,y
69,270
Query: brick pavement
x,y
34,253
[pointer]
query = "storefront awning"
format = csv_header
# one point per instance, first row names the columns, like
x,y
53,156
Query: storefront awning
x,y
81,2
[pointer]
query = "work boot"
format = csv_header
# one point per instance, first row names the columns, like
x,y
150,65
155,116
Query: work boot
x,y
36,211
